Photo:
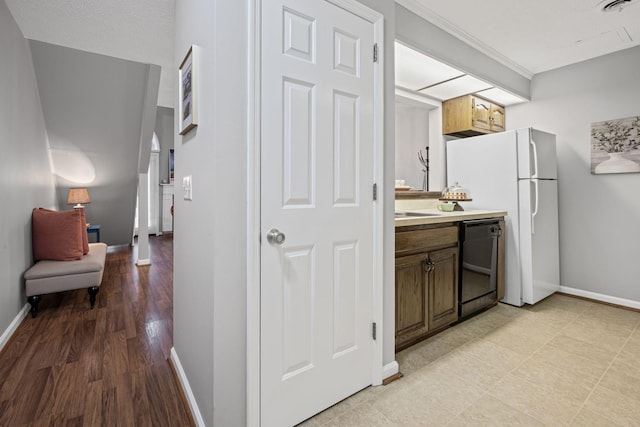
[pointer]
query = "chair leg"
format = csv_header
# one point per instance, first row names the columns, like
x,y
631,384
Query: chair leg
x,y
34,300
93,291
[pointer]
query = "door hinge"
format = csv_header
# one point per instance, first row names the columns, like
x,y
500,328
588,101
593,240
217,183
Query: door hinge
x,y
375,52
373,330
375,191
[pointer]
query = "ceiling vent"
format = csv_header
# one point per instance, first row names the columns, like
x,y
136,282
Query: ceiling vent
x,y
615,5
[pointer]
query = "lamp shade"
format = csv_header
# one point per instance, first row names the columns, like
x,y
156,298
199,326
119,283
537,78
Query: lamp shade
x,y
78,196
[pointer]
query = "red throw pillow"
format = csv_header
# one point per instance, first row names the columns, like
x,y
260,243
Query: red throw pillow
x,y
83,232
56,235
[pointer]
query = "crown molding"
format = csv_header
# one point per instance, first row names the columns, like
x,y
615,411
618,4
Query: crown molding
x,y
421,10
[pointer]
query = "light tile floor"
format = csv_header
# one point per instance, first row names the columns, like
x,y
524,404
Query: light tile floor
x,y
563,361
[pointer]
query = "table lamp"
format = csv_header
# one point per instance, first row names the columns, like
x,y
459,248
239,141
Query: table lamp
x,y
78,196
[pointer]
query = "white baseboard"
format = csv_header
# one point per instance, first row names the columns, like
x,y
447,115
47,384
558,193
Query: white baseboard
x,y
141,262
390,369
186,388
601,297
14,325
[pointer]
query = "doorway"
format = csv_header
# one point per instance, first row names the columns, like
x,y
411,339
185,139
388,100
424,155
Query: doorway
x,y
319,158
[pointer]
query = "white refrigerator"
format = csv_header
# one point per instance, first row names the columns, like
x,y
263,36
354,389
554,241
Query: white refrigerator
x,y
516,171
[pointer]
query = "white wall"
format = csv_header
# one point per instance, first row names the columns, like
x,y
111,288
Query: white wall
x,y
599,214
412,136
26,180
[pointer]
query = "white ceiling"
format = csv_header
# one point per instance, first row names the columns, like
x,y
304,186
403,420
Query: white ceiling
x,y
527,36
419,73
136,30
535,36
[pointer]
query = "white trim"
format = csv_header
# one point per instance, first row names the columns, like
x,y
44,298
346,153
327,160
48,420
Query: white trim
x,y
409,97
601,297
141,262
390,369
6,335
358,9
186,388
253,213
377,20
253,197
437,20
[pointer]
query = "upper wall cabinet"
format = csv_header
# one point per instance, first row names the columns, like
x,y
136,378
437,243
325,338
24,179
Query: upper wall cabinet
x,y
470,115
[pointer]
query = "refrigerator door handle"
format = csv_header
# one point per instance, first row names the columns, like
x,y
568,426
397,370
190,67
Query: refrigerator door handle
x,y
535,210
535,159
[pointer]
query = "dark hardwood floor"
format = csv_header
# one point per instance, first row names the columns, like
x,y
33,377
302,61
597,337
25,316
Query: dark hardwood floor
x,y
72,366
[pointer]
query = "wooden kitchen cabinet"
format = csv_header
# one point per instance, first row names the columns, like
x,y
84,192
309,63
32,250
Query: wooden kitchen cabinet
x,y
426,281
471,115
498,122
443,288
412,300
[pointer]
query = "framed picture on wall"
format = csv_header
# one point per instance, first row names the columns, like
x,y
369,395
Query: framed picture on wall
x,y
615,146
188,91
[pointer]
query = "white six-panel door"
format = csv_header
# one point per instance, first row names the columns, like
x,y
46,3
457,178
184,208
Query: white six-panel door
x,y
317,163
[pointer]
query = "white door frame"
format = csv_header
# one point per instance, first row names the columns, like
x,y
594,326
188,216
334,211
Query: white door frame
x,y
253,197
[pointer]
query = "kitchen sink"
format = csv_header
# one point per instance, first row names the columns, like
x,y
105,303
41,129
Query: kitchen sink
x,y
414,214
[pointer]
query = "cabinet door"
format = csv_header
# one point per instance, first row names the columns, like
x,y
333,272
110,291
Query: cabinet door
x,y
497,118
411,299
443,288
481,114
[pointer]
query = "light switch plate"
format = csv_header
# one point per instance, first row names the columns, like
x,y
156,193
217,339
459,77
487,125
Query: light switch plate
x,y
187,189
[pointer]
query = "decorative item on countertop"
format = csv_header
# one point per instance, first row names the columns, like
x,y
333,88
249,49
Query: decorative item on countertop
x,y
425,171
455,194
615,146
447,206
400,185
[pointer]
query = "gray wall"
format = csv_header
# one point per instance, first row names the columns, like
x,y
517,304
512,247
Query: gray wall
x,y
93,109
210,231
26,180
599,226
210,261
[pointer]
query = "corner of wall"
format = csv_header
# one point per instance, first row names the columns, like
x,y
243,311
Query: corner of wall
x,y
186,388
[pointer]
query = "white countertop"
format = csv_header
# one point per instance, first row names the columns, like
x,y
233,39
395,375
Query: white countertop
x,y
440,217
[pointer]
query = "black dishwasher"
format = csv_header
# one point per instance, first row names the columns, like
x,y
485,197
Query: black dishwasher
x,y
478,265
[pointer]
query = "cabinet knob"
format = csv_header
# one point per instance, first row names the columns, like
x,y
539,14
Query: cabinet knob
x,y
428,266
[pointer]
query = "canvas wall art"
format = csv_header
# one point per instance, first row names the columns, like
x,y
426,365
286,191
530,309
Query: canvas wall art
x,y
615,146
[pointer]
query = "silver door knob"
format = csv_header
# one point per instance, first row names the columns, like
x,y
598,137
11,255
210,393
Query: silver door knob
x,y
275,237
